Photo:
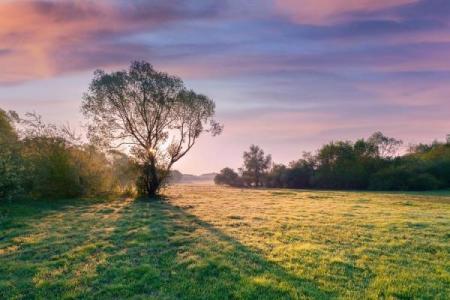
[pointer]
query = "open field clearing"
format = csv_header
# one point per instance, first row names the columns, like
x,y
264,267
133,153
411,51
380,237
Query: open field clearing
x,y
207,242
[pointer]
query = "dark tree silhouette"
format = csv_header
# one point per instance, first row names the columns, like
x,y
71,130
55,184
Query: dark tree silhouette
x,y
150,111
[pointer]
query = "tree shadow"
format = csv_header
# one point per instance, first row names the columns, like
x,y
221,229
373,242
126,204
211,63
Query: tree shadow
x,y
43,244
161,250
137,249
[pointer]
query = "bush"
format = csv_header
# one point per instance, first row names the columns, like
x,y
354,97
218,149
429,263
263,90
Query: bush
x,y
228,176
11,174
51,169
423,182
11,163
50,162
404,177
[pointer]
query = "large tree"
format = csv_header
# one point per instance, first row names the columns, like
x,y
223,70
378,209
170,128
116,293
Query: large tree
x,y
151,112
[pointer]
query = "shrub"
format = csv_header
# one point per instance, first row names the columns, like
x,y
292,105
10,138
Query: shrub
x,y
404,177
228,176
11,163
51,170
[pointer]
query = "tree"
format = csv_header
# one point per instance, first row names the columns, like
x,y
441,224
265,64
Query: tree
x,y
228,176
11,164
277,177
256,165
151,112
387,147
301,172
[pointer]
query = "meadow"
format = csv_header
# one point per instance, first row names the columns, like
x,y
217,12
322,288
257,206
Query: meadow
x,y
209,242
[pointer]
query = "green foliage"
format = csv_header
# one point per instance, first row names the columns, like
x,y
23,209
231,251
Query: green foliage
x,y
404,178
228,176
297,175
49,162
51,171
277,177
11,164
150,111
256,164
364,164
339,167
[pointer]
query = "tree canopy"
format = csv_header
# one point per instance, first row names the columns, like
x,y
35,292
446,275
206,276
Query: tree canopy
x,y
151,112
255,165
372,163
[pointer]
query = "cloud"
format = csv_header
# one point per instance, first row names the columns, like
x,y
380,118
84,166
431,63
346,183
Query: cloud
x,y
332,60
322,12
195,40
45,38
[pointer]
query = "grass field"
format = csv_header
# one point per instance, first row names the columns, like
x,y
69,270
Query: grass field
x,y
206,242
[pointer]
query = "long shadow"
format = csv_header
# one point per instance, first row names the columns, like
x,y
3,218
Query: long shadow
x,y
20,211
43,243
20,217
137,249
161,250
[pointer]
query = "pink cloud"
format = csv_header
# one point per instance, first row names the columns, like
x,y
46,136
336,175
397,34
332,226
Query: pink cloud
x,y
399,58
320,12
42,38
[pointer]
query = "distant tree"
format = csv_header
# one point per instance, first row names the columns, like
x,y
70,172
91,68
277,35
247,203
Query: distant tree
x,y
277,177
301,172
365,149
419,148
387,147
150,111
228,176
364,164
409,174
335,163
346,165
255,166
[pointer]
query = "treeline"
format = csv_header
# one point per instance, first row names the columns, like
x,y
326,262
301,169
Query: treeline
x,y
367,164
41,160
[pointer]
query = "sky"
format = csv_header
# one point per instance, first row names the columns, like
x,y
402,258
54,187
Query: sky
x,y
287,75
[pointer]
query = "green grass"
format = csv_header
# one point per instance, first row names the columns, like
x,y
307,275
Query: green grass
x,y
206,242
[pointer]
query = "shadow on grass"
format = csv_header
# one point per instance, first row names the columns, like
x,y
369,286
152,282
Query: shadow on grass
x,y
141,249
163,251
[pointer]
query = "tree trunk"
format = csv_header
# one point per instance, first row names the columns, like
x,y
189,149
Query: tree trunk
x,y
152,190
153,182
